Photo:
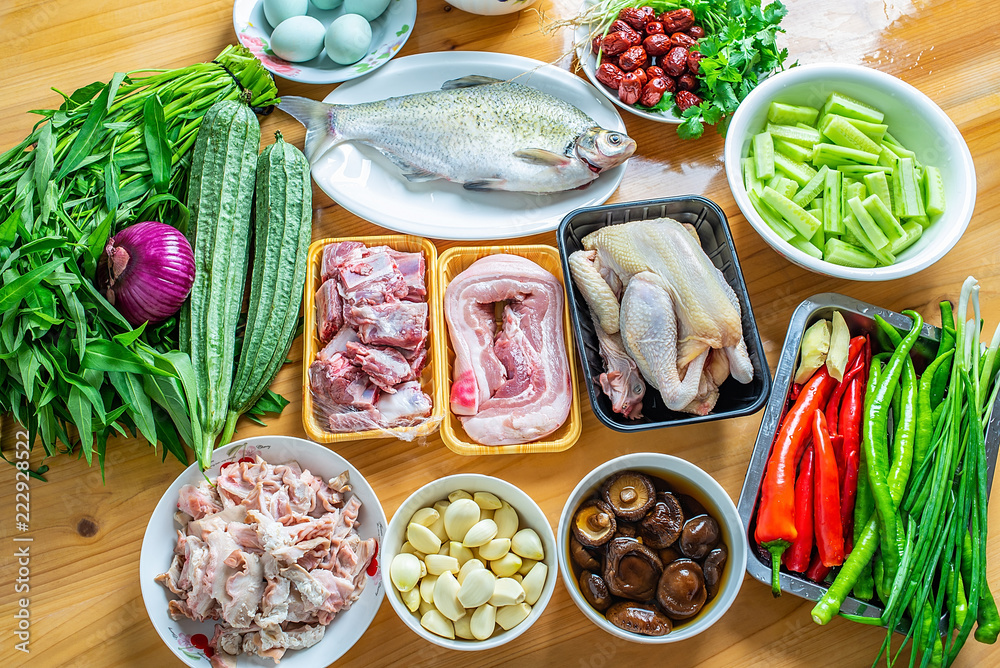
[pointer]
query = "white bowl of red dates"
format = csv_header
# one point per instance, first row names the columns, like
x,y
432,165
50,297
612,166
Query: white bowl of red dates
x,y
651,548
645,62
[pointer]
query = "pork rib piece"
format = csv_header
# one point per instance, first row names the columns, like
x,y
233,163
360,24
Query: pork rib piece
x,y
517,388
338,382
385,366
336,255
399,324
371,279
329,311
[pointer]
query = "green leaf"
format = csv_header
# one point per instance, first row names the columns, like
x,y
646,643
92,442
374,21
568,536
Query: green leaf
x,y
99,236
8,229
39,245
28,364
13,292
167,393
270,402
109,356
112,174
157,144
88,135
691,128
44,157
128,338
129,386
106,311
79,408
180,364
81,95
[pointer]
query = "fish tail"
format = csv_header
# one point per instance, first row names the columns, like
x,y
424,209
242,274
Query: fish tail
x,y
321,135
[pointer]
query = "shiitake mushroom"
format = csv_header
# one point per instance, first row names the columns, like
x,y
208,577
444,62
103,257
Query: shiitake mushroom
x,y
713,566
630,494
626,530
631,570
681,591
699,535
583,557
641,618
661,527
595,590
594,523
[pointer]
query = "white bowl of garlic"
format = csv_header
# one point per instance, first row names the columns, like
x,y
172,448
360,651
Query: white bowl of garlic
x,y
488,567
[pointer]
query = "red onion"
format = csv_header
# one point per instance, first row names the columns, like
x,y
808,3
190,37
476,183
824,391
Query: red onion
x,y
146,272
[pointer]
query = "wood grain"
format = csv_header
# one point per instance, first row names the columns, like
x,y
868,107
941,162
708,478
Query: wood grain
x,y
86,609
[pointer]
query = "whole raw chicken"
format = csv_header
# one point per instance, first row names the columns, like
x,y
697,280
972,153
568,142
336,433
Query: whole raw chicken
x,y
678,319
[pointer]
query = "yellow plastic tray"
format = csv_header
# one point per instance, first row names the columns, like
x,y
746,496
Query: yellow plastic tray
x,y
451,263
428,381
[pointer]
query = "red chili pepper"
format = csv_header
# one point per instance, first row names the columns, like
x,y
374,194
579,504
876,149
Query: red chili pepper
x,y
850,425
776,515
796,557
855,362
828,527
817,572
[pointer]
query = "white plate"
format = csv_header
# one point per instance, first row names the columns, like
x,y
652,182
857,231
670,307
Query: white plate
x,y
368,185
389,33
588,62
161,537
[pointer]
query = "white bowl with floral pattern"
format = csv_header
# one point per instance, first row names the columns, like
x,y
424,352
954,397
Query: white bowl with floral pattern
x,y
187,639
389,33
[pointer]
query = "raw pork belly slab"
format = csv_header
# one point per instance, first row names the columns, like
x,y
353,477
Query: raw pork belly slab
x,y
512,387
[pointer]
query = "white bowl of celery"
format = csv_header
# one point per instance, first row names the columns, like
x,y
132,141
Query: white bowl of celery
x,y
850,172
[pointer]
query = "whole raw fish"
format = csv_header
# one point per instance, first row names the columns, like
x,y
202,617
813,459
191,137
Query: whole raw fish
x,y
484,133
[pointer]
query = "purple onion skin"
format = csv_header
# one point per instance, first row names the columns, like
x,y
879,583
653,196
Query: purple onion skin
x,y
146,271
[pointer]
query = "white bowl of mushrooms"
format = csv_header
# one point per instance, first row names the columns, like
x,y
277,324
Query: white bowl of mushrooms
x,y
469,562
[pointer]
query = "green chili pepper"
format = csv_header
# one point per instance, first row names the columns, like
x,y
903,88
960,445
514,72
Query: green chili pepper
x,y
942,374
864,506
925,418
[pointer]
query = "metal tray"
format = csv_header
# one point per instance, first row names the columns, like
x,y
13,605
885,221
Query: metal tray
x,y
735,399
860,318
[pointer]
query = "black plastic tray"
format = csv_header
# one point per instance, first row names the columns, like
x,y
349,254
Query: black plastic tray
x,y
735,399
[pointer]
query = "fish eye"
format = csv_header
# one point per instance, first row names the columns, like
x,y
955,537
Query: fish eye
x,y
614,139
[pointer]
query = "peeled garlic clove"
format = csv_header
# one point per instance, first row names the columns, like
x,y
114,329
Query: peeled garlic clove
x,y
461,516
533,582
444,549
422,538
424,607
517,576
463,628
506,519
411,599
526,565
407,548
506,565
527,544
487,501
426,516
460,552
507,591
440,563
459,494
446,597
442,506
483,622
468,567
495,549
438,624
477,588
404,571
438,529
427,588
510,616
481,533
486,514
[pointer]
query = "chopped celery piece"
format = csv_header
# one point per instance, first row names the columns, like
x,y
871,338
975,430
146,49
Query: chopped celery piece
x,y
910,191
911,232
806,247
788,114
855,189
794,134
772,219
799,172
889,139
763,155
883,217
882,255
874,131
933,191
847,255
810,190
897,151
819,239
774,181
842,133
886,158
785,186
861,171
750,180
833,222
868,225
835,156
922,221
842,105
801,220
896,194
794,151
818,204
877,184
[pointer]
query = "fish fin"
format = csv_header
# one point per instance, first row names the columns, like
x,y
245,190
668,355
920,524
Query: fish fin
x,y
410,172
468,82
484,185
320,133
540,156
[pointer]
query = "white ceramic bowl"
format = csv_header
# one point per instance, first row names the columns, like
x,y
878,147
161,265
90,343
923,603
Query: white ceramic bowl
x,y
161,537
531,516
689,480
389,33
491,7
913,118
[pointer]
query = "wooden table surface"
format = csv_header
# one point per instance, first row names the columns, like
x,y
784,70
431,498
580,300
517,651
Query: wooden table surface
x,y
86,609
